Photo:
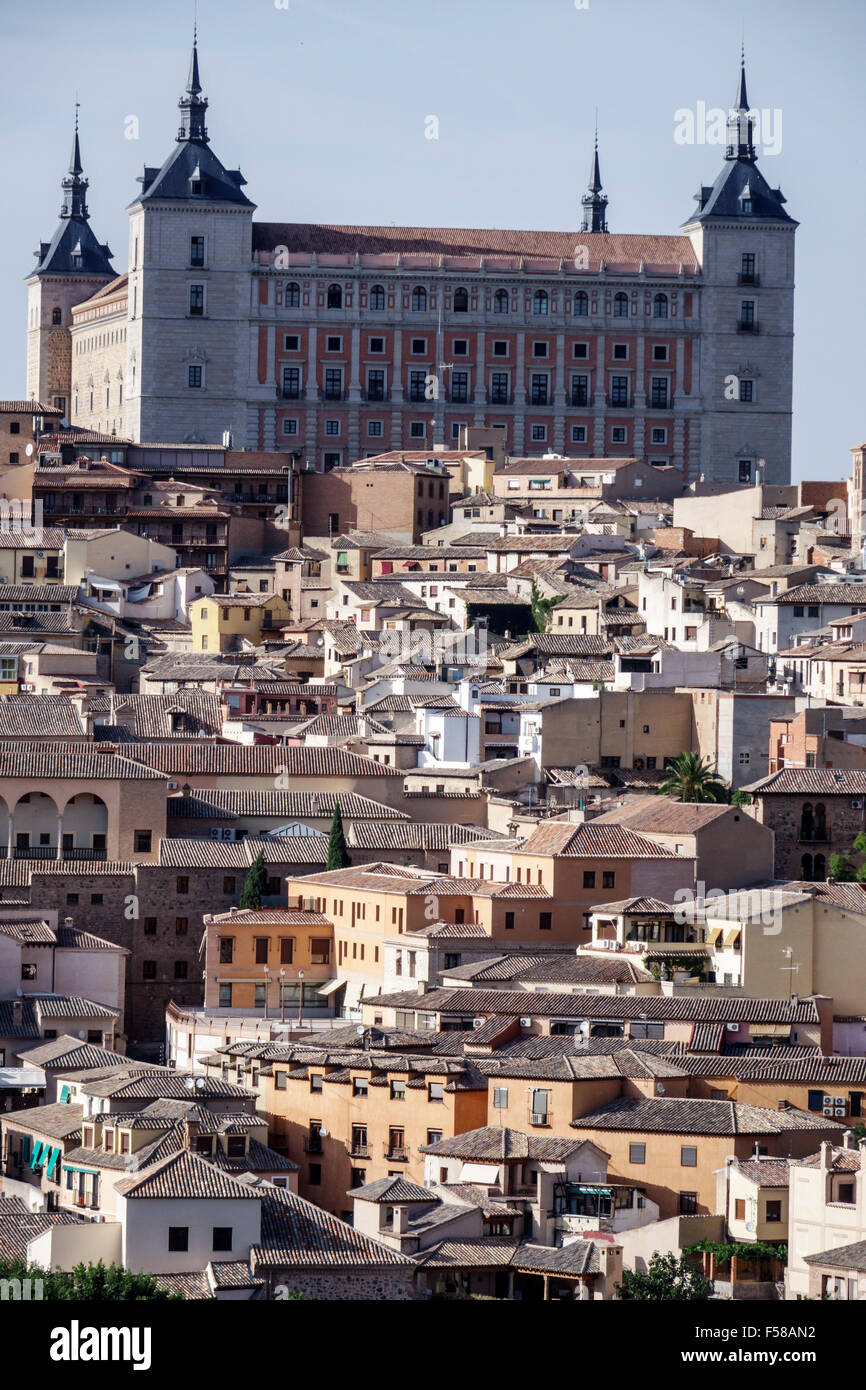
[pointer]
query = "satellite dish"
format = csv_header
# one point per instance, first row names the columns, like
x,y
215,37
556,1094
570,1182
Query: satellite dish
x,y
660,1088
360,1030
29,450
199,1083
323,1134
64,423
189,1082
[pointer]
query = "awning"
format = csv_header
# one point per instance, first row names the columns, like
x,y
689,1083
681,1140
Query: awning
x,y
485,1173
714,936
79,1168
331,987
352,997
732,937
770,1030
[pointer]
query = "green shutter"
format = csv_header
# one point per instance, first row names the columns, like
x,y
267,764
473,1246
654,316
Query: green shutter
x,y
37,1149
64,1094
25,1148
51,1163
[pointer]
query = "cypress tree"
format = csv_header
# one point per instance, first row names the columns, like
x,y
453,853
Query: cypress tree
x,y
338,855
255,883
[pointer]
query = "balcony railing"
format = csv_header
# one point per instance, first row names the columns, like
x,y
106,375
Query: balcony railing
x,y
747,326
396,1155
748,277
313,1145
360,1151
376,393
540,1119
580,398
814,837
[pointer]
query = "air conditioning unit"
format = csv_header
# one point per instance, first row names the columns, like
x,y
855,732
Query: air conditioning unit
x,y
478,1022
733,1027
526,1022
856,805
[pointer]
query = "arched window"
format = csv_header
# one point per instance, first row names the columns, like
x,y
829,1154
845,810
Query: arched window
x,y
500,302
820,870
806,868
335,297
820,821
56,316
377,297
419,299
807,821
581,304
292,297
461,301
540,302
660,306
620,305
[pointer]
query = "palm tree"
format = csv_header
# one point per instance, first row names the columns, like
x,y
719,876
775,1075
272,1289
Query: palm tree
x,y
691,778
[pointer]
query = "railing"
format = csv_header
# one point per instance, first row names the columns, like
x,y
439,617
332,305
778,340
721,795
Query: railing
x,y
748,277
580,398
376,393
814,837
359,1151
289,393
747,326
396,1155
540,1119
313,1145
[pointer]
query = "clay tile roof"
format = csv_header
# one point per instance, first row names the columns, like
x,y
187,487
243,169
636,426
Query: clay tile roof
x,y
184,1174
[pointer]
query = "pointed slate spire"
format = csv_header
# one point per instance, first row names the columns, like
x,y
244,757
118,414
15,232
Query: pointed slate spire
x,y
740,125
594,201
193,83
75,165
192,104
75,185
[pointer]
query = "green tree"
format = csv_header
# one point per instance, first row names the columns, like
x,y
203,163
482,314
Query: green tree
x,y
99,1283
841,868
691,778
667,1279
255,883
542,607
338,854
740,798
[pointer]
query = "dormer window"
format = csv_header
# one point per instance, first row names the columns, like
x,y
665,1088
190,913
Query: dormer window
x,y
196,186
747,205
236,1145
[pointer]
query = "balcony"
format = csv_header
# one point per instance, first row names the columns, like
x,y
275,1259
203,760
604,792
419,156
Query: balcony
x,y
312,1144
500,398
661,404
376,393
813,837
360,1151
538,398
289,393
540,1120
748,326
748,278
580,398
333,393
396,1155
619,401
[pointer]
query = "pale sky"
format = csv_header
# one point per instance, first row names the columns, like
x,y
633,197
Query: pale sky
x,y
323,105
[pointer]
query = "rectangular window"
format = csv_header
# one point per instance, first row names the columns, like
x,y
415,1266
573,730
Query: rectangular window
x,y
194,377
196,250
291,383
739,1209
688,1156
619,390
196,300
608,878
539,388
659,391
773,1211
499,388
688,1203
500,1097
261,943
436,1091
222,1238
545,921
178,1238
637,1153
589,878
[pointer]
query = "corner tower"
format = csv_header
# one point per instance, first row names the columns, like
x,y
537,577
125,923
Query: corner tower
x,y
744,241
190,248
70,267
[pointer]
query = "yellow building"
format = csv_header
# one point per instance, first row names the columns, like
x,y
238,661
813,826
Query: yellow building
x,y
266,958
221,622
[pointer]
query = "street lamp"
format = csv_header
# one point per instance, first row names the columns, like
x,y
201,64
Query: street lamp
x,y
267,982
282,997
301,1000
